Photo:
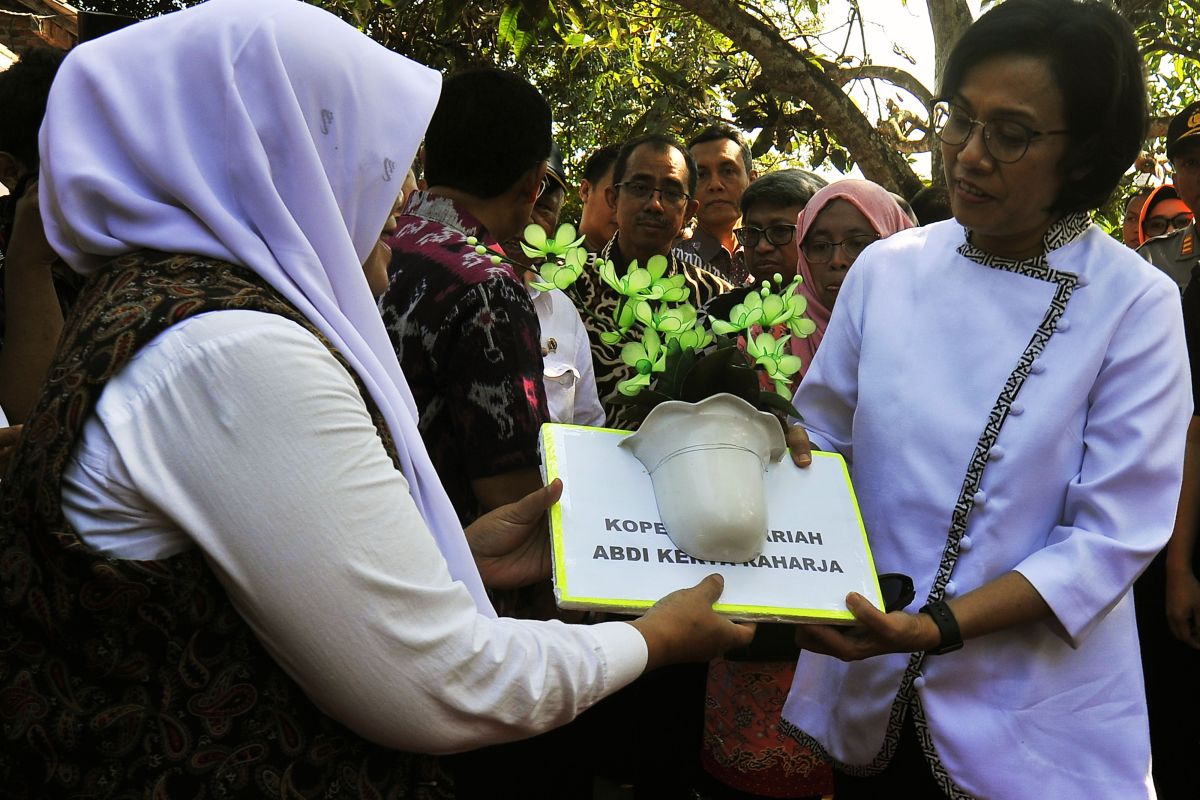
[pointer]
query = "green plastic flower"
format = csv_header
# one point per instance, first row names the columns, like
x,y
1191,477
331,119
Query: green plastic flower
x,y
771,354
693,338
647,357
742,317
538,246
555,274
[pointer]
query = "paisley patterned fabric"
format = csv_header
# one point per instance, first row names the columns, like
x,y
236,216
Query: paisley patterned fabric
x,y
138,679
597,301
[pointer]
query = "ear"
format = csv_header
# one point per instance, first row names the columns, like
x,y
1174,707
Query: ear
x,y
690,211
11,170
610,197
585,190
753,175
529,184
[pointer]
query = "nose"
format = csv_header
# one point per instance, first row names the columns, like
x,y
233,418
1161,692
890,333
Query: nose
x,y
840,260
763,245
974,150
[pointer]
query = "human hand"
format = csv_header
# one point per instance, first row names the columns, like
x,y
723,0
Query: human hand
x,y
8,445
1183,607
27,246
511,544
874,633
799,446
682,626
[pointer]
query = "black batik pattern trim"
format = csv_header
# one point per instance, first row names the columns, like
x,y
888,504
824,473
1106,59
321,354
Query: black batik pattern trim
x,y
1060,234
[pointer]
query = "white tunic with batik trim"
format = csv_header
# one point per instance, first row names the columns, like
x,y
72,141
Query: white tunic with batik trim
x,y
1003,415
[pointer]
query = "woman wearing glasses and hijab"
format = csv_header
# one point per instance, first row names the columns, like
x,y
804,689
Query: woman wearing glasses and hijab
x,y
229,567
1009,389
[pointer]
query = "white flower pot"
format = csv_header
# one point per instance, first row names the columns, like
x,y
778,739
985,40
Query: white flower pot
x,y
707,461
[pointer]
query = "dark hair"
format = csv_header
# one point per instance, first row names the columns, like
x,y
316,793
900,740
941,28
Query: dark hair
x,y
600,162
489,128
24,88
659,143
785,187
1093,56
715,132
931,204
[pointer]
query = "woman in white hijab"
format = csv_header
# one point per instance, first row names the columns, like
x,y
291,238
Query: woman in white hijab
x,y
229,566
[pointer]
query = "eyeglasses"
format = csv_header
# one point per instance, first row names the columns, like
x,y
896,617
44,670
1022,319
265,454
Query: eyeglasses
x,y
778,235
642,192
818,252
1005,140
1157,226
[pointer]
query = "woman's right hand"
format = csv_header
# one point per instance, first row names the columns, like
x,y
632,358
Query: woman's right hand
x,y
799,445
682,626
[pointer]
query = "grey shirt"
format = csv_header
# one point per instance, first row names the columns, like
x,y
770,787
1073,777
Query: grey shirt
x,y
1174,253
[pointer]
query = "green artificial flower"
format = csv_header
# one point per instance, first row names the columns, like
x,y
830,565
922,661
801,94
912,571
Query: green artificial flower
x,y
742,317
647,356
692,338
559,275
538,246
771,354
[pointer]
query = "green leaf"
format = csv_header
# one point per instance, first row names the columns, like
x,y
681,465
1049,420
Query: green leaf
x,y
507,29
772,401
610,337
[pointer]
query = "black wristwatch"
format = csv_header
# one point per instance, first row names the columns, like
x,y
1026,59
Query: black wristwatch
x,y
947,626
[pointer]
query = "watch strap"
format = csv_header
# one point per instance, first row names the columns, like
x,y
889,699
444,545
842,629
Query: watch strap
x,y
947,625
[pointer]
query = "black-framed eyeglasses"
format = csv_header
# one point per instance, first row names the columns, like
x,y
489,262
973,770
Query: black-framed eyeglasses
x,y
1157,226
642,192
1006,140
818,252
778,235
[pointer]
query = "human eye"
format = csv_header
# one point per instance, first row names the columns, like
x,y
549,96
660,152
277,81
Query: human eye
x,y
856,244
1008,134
673,196
780,234
818,250
638,189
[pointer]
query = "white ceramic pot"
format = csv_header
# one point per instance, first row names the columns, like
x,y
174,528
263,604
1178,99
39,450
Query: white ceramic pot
x,y
707,461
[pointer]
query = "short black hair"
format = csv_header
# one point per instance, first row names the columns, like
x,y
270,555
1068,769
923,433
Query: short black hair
x,y
490,127
782,188
714,132
659,143
600,162
24,88
931,204
1104,92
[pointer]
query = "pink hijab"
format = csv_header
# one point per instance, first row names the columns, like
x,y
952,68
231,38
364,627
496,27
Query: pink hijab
x,y
885,216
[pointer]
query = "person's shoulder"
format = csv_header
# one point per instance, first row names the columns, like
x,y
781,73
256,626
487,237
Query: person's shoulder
x,y
1177,245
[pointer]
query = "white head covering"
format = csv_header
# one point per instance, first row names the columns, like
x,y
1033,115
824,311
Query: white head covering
x,y
267,133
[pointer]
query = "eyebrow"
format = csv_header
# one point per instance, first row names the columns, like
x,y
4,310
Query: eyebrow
x,y
645,177
1004,112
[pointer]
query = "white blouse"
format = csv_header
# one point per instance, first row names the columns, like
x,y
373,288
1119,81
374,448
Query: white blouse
x,y
998,417
237,432
568,374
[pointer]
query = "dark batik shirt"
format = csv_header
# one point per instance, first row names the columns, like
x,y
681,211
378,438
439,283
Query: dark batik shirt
x,y
597,301
468,341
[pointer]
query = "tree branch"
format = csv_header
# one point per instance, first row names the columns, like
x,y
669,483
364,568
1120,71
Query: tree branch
x,y
788,70
893,75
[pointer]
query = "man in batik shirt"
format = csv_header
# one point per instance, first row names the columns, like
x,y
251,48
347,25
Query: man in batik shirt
x,y
463,326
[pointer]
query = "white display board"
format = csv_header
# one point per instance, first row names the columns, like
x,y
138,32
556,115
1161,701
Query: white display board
x,y
612,552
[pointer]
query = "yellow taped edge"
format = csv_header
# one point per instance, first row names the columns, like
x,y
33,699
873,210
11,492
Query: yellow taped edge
x,y
861,525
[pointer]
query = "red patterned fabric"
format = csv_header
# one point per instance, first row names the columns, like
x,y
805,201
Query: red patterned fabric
x,y
743,746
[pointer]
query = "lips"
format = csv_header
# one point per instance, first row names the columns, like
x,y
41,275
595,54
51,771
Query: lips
x,y
970,191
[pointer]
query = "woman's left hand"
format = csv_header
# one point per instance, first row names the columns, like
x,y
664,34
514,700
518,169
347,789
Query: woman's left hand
x,y
874,633
511,544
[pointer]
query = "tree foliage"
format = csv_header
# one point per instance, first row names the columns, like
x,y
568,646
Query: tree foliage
x,y
791,73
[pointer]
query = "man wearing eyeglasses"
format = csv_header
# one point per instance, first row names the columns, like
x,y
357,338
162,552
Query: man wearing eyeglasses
x,y
769,209
654,179
1175,253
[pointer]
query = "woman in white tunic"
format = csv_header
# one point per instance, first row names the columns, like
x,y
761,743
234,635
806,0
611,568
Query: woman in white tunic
x,y
1010,390
252,477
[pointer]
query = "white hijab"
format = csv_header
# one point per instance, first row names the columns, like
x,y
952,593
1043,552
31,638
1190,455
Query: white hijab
x,y
267,133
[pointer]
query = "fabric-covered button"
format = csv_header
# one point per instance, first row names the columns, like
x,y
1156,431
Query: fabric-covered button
x,y
996,453
1016,409
980,498
1063,326
1082,281
951,588
964,544
919,682
1037,367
